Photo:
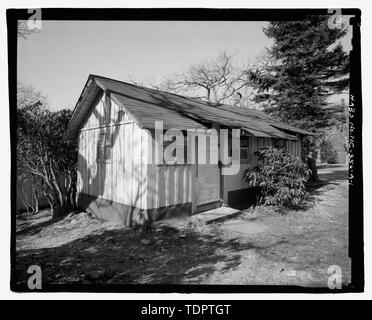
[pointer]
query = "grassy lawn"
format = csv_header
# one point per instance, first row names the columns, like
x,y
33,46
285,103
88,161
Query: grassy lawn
x,y
258,247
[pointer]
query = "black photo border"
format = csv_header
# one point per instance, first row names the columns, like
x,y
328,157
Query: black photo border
x,y
356,249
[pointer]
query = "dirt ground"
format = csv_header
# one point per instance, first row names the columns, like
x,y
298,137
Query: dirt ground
x,y
259,247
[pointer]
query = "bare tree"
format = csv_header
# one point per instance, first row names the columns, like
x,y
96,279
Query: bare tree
x,y
216,81
42,151
49,161
150,82
219,80
27,96
28,187
28,191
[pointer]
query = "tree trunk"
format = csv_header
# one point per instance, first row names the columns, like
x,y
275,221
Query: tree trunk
x,y
36,201
72,196
50,201
59,211
62,207
52,211
311,163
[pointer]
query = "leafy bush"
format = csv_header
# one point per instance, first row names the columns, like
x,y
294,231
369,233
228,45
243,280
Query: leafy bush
x,y
281,178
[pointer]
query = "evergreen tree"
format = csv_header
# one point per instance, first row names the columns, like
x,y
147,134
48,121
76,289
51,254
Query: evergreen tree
x,y
306,64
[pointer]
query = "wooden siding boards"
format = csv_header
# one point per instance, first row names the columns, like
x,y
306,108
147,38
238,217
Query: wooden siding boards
x,y
128,179
79,183
92,152
92,173
94,168
135,155
168,185
151,186
127,164
294,147
122,179
88,144
83,159
120,158
143,156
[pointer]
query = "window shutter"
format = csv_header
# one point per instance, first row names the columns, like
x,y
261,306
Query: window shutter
x,y
107,107
108,145
101,147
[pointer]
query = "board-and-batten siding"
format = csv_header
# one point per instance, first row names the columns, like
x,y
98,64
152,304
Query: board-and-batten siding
x,y
169,185
123,179
128,179
294,147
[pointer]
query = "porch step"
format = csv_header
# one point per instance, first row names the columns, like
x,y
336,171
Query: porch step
x,y
215,215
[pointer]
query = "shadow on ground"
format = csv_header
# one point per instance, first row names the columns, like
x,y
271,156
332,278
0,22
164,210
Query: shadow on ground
x,y
36,227
333,172
329,175
88,253
119,257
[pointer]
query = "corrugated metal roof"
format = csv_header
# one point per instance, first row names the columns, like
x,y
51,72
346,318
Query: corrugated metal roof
x,y
148,105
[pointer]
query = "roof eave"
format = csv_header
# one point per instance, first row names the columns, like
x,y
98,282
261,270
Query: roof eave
x,y
80,109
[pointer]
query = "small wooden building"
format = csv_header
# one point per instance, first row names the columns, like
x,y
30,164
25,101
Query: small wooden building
x,y
114,123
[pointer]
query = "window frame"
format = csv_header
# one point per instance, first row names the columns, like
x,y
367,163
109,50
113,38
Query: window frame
x,y
248,148
104,146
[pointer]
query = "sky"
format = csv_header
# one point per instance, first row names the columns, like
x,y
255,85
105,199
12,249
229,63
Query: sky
x,y
58,59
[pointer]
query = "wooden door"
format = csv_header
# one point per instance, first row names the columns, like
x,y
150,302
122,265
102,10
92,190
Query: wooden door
x,y
208,178
208,183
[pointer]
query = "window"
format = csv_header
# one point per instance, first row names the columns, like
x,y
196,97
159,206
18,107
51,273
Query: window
x,y
107,107
244,149
104,147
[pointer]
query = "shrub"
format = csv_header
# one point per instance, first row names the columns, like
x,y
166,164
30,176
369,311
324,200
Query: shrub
x,y
281,178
